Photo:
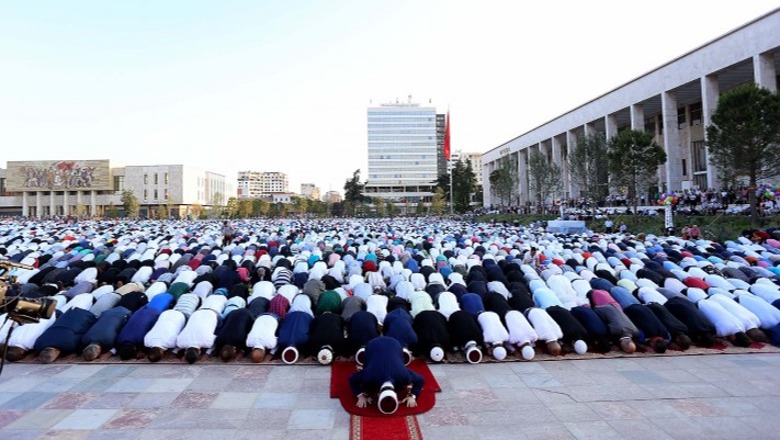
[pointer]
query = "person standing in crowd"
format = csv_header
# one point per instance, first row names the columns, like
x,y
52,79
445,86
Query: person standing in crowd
x,y
227,233
608,224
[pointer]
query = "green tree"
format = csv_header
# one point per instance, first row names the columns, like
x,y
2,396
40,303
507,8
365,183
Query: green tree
x,y
438,203
353,192
196,210
379,206
504,180
112,211
259,208
244,208
338,209
216,204
299,204
80,210
443,182
130,204
231,210
420,209
390,208
588,165
162,213
318,207
545,177
464,183
744,137
634,158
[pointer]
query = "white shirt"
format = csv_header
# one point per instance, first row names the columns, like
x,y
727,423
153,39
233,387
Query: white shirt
x,y
404,289
768,293
674,285
546,327
263,333
377,306
155,289
448,303
165,330
420,301
263,289
768,314
648,295
492,329
89,274
564,291
199,331
725,323
203,289
499,287
749,319
24,336
143,275
81,301
520,330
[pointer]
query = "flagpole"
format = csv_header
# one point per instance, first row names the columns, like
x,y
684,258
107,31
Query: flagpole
x,y
448,156
452,190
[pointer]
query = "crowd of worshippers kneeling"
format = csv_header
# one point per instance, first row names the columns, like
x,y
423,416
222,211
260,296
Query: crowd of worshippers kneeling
x,y
576,295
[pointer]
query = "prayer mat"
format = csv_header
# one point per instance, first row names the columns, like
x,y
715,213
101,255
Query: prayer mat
x,y
339,388
392,428
721,346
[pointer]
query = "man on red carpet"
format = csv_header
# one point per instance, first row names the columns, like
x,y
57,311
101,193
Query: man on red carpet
x,y
384,373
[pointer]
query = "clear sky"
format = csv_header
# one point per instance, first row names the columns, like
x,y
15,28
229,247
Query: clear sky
x,y
284,85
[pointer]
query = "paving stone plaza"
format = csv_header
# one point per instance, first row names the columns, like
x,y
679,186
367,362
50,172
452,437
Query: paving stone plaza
x,y
686,397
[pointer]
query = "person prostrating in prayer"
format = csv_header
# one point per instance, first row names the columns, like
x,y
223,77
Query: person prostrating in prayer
x,y
385,376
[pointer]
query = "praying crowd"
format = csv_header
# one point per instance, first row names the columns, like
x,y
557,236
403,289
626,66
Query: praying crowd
x,y
445,290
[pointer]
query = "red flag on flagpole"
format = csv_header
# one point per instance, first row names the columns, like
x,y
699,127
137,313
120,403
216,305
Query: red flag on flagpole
x,y
447,137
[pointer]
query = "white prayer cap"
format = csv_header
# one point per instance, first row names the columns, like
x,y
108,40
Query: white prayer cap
x,y
528,352
360,356
499,353
325,355
388,400
290,355
407,356
437,354
580,346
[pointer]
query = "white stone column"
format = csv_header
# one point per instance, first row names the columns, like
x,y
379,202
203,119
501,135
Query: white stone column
x,y
38,204
65,207
764,71
610,126
555,146
671,141
93,202
710,90
571,145
589,128
25,204
637,116
52,206
522,170
487,195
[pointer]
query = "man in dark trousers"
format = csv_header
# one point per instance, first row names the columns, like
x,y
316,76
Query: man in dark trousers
x,y
64,336
362,327
432,336
384,373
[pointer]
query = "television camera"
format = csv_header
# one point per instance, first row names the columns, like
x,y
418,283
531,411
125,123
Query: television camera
x,y
20,309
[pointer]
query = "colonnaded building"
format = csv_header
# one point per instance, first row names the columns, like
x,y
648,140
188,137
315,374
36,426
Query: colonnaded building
x,y
91,187
674,102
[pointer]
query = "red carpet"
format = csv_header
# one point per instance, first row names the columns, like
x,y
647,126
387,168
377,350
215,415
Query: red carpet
x,y
394,428
339,388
